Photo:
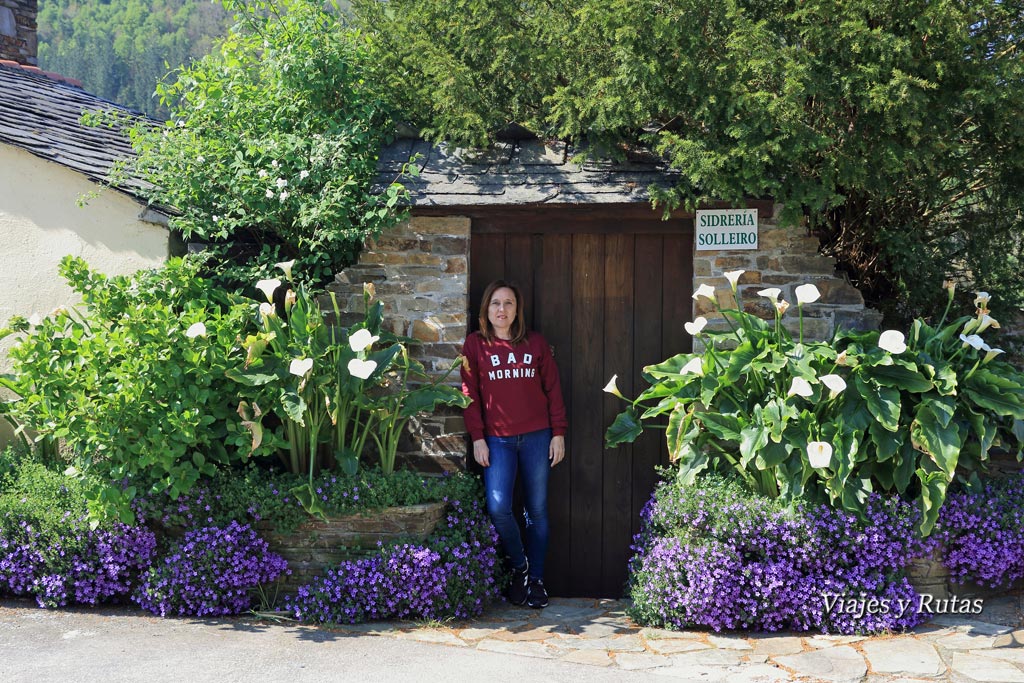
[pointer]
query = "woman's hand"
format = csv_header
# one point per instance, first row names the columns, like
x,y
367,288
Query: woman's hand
x,y
481,453
556,451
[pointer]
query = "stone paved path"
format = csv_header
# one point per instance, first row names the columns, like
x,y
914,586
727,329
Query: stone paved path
x,y
988,647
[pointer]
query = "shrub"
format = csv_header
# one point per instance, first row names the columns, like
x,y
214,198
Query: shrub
x,y
454,573
714,554
135,382
833,421
982,531
211,571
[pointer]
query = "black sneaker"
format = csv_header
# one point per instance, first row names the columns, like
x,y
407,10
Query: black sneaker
x,y
518,588
537,597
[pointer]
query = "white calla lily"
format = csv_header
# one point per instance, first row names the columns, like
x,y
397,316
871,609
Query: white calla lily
x,y
267,310
990,353
300,366
360,339
268,287
771,293
196,330
733,276
835,383
612,387
706,291
782,306
981,299
841,359
286,266
696,326
892,341
819,454
807,294
986,321
800,387
973,340
361,368
694,367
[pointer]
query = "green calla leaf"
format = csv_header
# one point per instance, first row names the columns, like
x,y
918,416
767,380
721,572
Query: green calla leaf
x,y
294,406
900,375
941,442
625,429
882,402
753,438
725,427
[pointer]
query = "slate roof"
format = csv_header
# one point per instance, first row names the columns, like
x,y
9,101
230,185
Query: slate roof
x,y
41,112
519,172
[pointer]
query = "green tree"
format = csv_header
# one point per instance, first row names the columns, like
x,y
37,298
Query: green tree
x,y
892,127
272,146
121,49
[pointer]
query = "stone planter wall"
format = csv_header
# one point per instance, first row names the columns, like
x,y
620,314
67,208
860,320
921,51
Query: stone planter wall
x,y
319,545
929,576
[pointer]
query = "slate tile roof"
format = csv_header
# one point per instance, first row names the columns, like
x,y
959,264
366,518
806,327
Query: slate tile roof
x,y
40,113
519,172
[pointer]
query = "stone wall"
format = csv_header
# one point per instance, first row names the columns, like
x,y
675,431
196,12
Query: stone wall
x,y
18,31
785,258
420,271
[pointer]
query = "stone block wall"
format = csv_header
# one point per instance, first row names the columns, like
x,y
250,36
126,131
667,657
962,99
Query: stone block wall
x,y
420,271
18,31
785,258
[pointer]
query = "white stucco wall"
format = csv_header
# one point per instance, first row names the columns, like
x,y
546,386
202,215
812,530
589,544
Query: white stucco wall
x,y
41,222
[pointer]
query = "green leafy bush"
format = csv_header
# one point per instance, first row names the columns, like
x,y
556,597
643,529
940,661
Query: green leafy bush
x,y
273,139
834,421
134,382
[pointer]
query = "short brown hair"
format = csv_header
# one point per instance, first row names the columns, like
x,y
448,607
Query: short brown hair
x,y
518,325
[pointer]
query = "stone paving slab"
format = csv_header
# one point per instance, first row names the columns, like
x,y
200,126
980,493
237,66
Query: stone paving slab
x,y
985,669
904,657
841,664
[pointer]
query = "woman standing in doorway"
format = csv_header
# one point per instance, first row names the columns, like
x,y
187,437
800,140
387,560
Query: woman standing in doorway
x,y
517,423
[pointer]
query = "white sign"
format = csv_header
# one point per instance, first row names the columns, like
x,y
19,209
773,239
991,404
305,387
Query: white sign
x,y
726,229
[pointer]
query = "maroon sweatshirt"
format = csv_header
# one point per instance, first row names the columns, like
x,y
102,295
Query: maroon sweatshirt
x,y
515,388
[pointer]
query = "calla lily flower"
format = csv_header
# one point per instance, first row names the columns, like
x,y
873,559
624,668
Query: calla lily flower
x,y
973,340
268,287
841,358
986,321
196,330
612,388
361,368
267,310
819,454
991,353
733,276
892,341
807,294
694,367
706,291
289,299
782,306
696,326
360,339
835,383
800,387
286,266
771,293
981,299
300,366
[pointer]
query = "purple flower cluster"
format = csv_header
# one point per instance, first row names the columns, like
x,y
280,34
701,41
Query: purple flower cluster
x,y
983,533
82,566
717,556
210,571
452,574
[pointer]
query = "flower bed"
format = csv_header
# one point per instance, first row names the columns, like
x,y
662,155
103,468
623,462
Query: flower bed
x,y
715,555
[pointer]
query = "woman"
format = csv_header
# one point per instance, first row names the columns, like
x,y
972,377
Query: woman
x,y
517,423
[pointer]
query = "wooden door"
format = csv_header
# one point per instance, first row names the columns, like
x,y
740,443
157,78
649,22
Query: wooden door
x,y
611,292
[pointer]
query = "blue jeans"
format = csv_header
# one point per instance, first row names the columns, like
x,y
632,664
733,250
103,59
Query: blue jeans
x,y
528,455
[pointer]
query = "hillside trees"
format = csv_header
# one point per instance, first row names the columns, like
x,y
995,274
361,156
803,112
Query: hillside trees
x,y
893,128
120,49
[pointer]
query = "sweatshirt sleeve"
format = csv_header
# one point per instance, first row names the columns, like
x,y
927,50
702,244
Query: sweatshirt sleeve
x,y
473,413
553,390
